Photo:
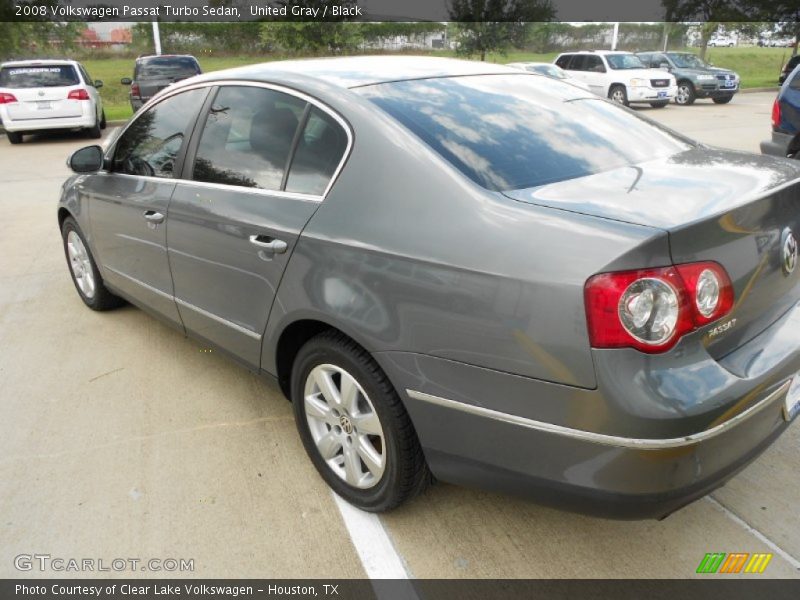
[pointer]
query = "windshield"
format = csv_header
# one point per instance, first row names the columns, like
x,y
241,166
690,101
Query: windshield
x,y
167,68
549,70
38,76
508,132
624,61
687,61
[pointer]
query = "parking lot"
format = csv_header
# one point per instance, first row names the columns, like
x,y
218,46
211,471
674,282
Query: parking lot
x,y
119,438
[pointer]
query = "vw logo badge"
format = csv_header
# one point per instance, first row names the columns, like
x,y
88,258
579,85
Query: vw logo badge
x,y
789,252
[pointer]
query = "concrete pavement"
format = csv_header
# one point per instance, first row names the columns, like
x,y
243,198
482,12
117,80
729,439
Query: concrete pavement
x,y
120,438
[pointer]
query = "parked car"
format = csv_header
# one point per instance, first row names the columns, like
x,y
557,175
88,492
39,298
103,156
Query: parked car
x,y
695,77
787,68
785,139
460,269
550,70
620,76
151,74
41,95
722,40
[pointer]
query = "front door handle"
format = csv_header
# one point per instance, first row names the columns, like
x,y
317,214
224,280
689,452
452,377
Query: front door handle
x,y
154,216
268,243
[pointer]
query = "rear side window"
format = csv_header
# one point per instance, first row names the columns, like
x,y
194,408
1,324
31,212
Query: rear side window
x,y
38,76
509,132
168,67
563,61
150,145
248,137
319,151
795,82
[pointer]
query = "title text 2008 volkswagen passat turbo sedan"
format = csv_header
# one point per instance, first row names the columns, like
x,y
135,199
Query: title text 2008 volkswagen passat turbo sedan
x,y
460,271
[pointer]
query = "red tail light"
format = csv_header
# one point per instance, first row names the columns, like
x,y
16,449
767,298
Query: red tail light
x,y
79,94
776,114
651,309
135,90
7,98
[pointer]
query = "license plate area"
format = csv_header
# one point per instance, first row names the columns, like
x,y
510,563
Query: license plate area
x,y
44,105
791,404
662,94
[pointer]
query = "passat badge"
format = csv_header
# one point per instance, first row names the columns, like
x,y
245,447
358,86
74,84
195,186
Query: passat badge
x,y
789,258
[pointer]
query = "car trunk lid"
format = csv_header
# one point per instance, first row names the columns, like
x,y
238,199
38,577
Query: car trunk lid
x,y
734,208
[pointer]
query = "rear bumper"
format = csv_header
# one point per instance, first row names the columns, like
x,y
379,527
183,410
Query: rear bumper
x,y
778,145
558,445
81,122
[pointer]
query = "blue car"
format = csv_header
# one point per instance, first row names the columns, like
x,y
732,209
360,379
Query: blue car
x,y
786,120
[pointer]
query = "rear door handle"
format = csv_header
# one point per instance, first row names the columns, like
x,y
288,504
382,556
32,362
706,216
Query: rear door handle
x,y
154,216
268,243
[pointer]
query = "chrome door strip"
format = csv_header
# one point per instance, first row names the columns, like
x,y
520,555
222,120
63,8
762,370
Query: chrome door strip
x,y
601,438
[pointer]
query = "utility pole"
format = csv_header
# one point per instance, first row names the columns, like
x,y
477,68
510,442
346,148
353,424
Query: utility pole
x,y
614,36
156,37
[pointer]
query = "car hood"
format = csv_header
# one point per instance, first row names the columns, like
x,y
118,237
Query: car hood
x,y
687,187
644,73
719,71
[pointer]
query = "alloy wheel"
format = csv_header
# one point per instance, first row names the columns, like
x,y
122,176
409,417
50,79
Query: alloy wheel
x,y
80,264
683,94
344,426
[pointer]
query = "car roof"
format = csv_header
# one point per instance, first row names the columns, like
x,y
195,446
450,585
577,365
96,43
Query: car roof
x,y
358,71
146,57
38,61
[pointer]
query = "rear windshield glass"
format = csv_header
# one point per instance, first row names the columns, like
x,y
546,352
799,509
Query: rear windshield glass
x,y
38,76
167,68
509,132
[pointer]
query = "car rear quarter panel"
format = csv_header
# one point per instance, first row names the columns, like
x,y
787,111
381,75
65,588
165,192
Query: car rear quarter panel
x,y
407,255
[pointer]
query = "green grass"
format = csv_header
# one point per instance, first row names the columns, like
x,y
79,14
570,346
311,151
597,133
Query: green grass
x,y
758,67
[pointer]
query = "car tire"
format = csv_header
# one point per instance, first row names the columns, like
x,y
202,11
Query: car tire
x,y
342,438
95,132
103,122
659,104
14,137
722,99
685,95
83,269
618,93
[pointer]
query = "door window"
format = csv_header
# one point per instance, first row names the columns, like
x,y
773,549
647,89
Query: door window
x,y
563,61
150,145
594,64
248,137
319,151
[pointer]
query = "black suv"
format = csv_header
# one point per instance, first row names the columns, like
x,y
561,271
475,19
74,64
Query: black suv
x,y
788,68
153,73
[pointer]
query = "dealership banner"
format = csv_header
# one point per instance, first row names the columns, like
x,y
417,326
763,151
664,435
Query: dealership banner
x,y
383,10
380,589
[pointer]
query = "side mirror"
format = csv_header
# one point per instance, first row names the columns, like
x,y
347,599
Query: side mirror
x,y
126,81
86,160
98,83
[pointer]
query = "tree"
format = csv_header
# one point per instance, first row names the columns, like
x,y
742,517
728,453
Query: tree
x,y
784,13
711,13
308,35
495,25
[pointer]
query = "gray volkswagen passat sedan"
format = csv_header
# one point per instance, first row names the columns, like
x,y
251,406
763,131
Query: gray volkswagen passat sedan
x,y
462,271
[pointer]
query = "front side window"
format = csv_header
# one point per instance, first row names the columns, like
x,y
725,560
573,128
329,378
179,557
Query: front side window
x,y
248,137
150,145
508,132
595,64
563,61
38,76
621,62
319,151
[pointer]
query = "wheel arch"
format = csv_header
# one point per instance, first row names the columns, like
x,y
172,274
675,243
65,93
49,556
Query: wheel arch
x,y
794,146
63,213
294,336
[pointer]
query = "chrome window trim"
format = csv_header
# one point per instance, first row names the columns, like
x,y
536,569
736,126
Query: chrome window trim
x,y
242,82
601,438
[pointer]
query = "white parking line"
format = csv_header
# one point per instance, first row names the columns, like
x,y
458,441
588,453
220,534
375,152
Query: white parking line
x,y
376,551
772,545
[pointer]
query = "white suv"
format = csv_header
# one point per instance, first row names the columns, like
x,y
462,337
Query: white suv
x,y
49,94
620,76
